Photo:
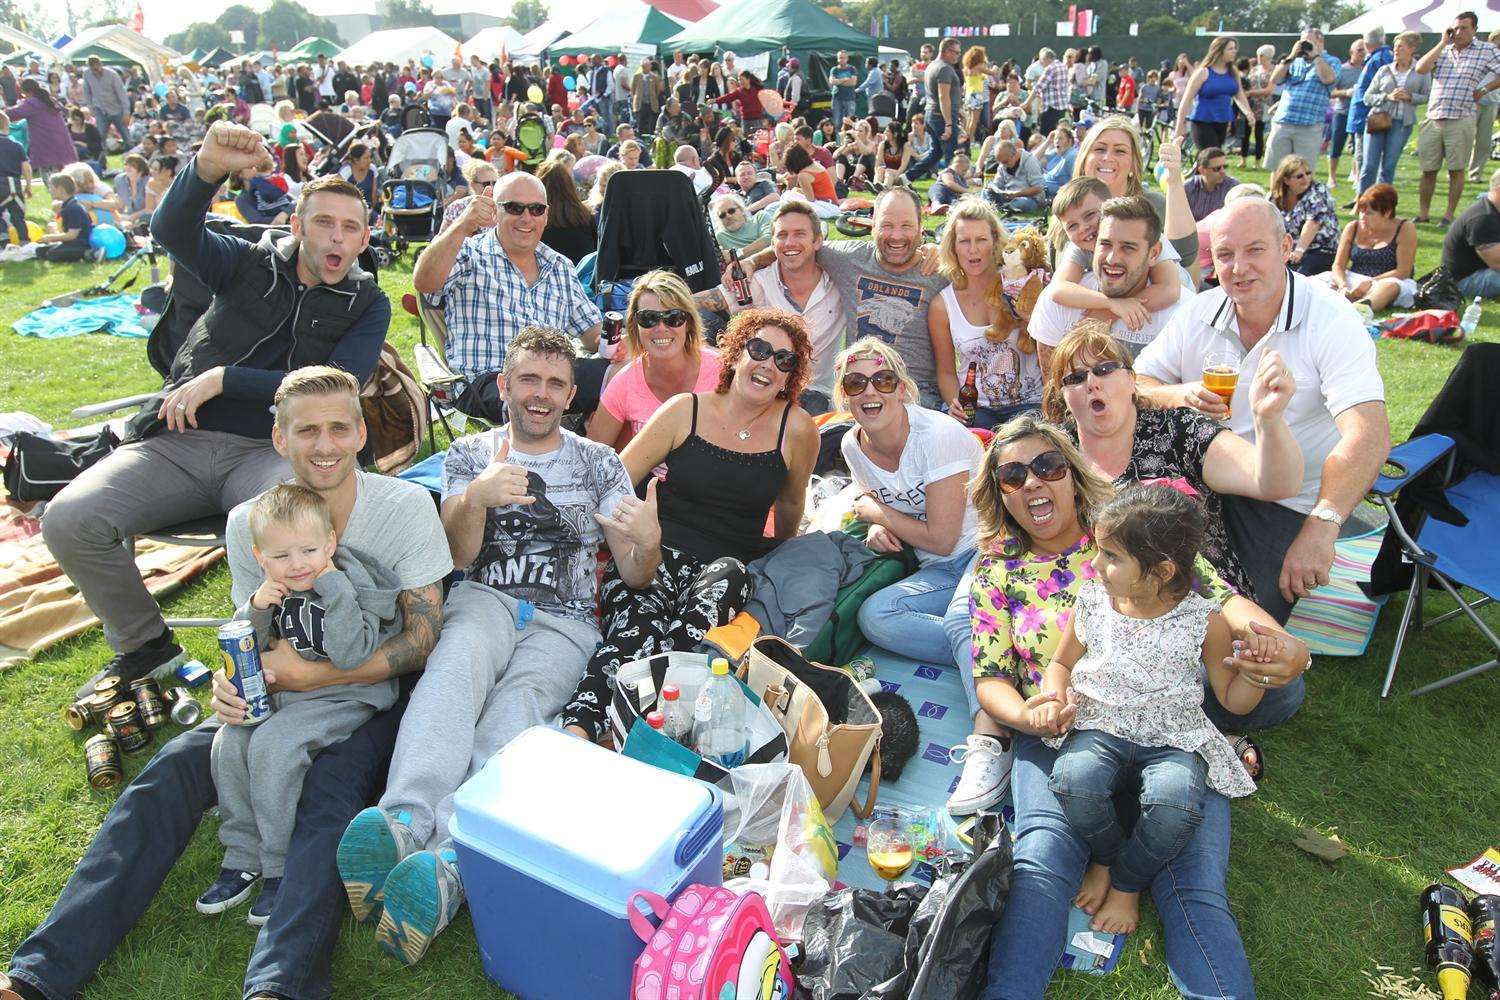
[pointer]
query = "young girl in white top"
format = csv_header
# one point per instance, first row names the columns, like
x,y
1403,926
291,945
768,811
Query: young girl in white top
x,y
1127,685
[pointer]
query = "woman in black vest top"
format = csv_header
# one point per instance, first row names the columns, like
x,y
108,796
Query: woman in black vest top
x,y
732,457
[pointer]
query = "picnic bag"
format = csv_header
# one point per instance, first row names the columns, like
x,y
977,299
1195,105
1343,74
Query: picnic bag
x,y
709,943
39,466
832,727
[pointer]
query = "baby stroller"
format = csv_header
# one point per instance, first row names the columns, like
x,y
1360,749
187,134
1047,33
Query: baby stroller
x,y
531,139
415,187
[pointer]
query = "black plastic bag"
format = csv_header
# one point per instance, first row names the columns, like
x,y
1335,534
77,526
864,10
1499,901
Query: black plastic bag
x,y
953,958
855,939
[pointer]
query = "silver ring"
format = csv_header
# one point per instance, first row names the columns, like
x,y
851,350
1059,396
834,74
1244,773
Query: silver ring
x,y
182,406
1265,680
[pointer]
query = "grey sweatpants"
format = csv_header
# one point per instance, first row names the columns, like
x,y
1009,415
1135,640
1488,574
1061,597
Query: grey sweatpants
x,y
258,772
486,682
153,484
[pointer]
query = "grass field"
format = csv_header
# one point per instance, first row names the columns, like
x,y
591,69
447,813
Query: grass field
x,y
1410,785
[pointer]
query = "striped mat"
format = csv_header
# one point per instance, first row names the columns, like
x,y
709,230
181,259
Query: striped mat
x,y
1338,619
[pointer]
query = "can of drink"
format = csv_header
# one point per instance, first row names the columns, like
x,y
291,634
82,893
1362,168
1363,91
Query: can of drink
x,y
80,715
193,673
185,708
147,697
110,691
242,669
125,723
101,761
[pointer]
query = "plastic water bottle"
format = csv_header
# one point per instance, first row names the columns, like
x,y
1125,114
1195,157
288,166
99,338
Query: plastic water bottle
x,y
719,718
1470,321
678,717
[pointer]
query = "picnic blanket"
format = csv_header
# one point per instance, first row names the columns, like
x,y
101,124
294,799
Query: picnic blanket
x,y
112,314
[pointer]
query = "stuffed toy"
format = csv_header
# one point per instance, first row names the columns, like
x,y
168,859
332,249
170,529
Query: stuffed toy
x,y
899,735
1023,275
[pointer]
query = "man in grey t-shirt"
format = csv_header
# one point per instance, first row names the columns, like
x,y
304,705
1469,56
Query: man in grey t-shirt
x,y
944,89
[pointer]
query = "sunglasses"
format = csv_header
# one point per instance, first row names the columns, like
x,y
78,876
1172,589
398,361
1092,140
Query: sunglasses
x,y
1100,370
760,350
728,212
884,382
651,318
537,209
1049,466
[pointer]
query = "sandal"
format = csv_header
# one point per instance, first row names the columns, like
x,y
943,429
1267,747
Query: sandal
x,y
1251,755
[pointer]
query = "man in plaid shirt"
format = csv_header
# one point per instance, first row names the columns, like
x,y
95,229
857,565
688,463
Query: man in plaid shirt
x,y
1051,93
495,279
1309,73
1463,70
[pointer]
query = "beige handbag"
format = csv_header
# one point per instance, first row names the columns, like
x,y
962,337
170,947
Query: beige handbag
x,y
805,697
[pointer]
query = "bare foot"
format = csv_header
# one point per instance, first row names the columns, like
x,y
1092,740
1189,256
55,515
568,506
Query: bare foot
x,y
1095,887
1120,914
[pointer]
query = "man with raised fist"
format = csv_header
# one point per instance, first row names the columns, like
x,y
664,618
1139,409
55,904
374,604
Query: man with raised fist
x,y
525,507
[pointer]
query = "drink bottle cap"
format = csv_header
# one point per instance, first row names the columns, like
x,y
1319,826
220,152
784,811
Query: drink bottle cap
x,y
670,692
719,666
655,720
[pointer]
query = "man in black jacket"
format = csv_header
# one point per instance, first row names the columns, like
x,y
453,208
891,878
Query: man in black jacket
x,y
203,444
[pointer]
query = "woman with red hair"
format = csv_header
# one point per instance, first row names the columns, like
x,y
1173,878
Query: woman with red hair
x,y
1376,255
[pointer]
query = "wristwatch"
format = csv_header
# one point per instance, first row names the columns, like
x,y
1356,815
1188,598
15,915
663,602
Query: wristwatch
x,y
1326,513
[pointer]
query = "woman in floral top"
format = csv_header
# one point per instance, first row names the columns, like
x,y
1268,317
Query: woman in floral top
x,y
1308,211
1035,497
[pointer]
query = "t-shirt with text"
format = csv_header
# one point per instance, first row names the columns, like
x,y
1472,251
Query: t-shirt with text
x,y
889,305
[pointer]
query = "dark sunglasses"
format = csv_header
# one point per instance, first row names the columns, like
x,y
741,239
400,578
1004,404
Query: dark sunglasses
x,y
885,382
1100,370
650,318
760,350
537,209
727,213
1049,466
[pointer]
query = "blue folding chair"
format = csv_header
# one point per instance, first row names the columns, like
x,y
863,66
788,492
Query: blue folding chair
x,y
1453,556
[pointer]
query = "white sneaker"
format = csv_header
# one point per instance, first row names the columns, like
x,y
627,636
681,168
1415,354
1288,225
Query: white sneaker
x,y
986,774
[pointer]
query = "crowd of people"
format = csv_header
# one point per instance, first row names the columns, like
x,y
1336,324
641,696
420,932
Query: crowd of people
x,y
1109,567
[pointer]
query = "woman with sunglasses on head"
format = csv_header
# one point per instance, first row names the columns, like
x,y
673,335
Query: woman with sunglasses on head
x,y
662,345
1091,389
913,465
1308,211
1036,498
732,457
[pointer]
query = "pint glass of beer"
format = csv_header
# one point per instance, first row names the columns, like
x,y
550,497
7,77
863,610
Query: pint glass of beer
x,y
1221,373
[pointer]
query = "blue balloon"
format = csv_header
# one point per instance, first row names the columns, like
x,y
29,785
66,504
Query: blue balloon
x,y
570,83
109,239
427,61
161,91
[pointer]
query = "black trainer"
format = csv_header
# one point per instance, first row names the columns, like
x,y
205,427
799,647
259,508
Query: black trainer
x,y
260,912
231,889
160,653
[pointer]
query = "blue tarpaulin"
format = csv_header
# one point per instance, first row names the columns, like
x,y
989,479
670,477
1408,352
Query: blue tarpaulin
x,y
113,314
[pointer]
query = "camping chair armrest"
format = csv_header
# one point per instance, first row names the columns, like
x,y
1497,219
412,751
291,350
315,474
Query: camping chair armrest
x,y
109,406
1413,458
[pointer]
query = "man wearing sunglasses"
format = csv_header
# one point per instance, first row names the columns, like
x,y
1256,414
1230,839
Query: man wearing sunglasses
x,y
1128,245
1337,412
494,278
1209,184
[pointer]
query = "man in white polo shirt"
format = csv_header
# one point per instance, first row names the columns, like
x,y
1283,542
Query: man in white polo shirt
x,y
1337,413
798,285
1127,247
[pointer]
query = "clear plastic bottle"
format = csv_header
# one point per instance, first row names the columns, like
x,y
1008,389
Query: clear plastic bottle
x,y
719,718
678,716
1472,315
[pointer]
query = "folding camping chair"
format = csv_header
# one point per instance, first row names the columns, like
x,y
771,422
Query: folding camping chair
x,y
439,382
1453,556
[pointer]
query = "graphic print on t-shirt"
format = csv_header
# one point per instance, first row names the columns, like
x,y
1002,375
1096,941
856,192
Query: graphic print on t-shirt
x,y
299,620
884,308
525,548
1002,377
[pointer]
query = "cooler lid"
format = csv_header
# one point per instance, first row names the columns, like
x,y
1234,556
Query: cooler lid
x,y
597,825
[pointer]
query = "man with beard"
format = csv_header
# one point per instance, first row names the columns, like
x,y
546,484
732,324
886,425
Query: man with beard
x,y
525,507
883,286
1128,245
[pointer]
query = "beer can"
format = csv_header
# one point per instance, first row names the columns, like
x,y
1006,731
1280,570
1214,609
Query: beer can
x,y
242,669
147,697
110,691
101,760
185,708
80,715
125,723
193,673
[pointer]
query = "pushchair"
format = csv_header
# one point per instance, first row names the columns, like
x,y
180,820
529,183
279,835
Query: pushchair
x,y
531,139
415,188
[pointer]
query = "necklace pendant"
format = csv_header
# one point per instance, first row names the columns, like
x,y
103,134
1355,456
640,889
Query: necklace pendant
x,y
744,435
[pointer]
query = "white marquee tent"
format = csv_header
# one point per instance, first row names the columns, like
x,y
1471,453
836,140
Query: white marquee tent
x,y
19,41
489,43
153,56
1421,15
397,45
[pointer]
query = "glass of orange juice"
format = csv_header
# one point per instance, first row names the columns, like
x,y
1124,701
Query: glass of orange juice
x,y
1221,374
888,845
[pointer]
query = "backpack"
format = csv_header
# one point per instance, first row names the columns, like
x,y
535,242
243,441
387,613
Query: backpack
x,y
396,414
710,943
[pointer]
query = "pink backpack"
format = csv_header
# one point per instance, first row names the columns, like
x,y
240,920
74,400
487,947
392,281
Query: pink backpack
x,y
711,944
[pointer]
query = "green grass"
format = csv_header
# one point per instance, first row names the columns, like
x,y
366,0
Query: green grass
x,y
1410,784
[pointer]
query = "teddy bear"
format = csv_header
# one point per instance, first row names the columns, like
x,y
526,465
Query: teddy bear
x,y
1023,275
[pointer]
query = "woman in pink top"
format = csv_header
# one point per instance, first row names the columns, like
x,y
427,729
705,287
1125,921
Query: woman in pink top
x,y
664,341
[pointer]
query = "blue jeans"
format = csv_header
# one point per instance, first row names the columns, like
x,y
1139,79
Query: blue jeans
x,y
1025,206
1204,953
1485,283
1382,153
941,152
843,106
1339,136
150,826
907,617
1093,767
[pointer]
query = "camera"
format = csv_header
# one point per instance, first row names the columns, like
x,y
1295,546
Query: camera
x,y
1302,49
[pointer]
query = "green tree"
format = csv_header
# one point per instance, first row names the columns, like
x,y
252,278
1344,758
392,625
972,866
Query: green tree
x,y
284,24
1161,25
406,13
527,14
241,18
199,35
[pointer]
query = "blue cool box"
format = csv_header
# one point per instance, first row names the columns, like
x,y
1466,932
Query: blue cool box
x,y
553,835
